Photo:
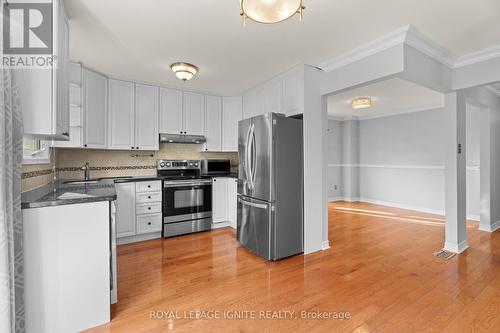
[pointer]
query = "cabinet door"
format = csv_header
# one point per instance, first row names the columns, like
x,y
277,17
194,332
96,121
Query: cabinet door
x,y
62,74
170,111
94,109
194,114
274,96
219,200
261,97
146,117
232,204
125,209
250,104
213,126
293,92
232,114
121,114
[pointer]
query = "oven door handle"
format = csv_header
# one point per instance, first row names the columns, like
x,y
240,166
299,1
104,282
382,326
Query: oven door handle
x,y
186,184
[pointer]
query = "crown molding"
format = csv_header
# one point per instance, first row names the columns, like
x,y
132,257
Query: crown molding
x,y
476,57
392,39
494,90
411,36
416,39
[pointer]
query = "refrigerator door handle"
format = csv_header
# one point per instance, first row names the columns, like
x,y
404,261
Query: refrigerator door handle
x,y
254,159
250,155
252,204
247,156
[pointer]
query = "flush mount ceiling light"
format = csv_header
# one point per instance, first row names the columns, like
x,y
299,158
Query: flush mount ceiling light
x,y
361,103
184,71
270,11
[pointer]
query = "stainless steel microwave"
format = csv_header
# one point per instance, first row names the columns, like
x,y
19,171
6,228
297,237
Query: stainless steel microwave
x,y
216,167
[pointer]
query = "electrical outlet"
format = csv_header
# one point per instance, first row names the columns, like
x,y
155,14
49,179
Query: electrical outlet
x,y
335,187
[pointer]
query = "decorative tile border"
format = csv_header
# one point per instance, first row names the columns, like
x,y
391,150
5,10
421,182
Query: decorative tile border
x,y
109,168
36,173
39,173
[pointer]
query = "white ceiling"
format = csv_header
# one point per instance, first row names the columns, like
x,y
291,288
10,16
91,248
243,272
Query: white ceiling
x,y
389,97
138,39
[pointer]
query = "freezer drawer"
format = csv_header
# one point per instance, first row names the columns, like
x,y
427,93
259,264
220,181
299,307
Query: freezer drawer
x,y
254,230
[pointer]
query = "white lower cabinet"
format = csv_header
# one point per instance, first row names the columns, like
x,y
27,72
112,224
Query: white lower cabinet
x,y
224,195
66,267
125,209
138,212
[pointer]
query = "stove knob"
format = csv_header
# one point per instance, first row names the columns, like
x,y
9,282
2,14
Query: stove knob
x,y
162,164
190,164
168,164
195,164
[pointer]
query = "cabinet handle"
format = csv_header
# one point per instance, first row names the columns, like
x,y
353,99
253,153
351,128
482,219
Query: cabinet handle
x,y
65,134
136,147
85,145
149,197
149,208
149,223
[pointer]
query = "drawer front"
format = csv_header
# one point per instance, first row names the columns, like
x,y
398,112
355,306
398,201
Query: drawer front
x,y
149,186
148,223
148,197
147,208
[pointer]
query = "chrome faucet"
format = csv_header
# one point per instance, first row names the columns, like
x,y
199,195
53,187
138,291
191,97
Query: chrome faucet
x,y
86,171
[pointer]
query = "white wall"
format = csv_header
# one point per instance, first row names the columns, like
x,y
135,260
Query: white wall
x,y
401,160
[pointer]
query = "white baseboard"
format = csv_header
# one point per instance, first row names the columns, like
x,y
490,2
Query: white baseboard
x,y
490,227
138,238
456,248
221,225
401,206
325,245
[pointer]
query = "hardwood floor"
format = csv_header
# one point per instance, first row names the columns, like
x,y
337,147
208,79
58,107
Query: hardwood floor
x,y
380,268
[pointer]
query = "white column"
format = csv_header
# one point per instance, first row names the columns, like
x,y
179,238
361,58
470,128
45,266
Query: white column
x,y
485,223
455,175
350,160
315,164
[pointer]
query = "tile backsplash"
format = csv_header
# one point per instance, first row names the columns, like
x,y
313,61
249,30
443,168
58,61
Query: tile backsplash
x,y
116,163
35,175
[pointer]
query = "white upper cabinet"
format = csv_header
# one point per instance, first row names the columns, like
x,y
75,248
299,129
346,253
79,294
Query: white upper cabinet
x,y
62,72
44,93
121,114
250,104
232,113
171,111
194,114
146,117
213,125
94,109
274,96
261,98
293,91
282,94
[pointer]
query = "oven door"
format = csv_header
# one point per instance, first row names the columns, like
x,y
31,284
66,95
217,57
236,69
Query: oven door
x,y
186,200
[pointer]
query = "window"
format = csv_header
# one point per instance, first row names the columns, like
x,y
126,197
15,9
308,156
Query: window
x,y
35,151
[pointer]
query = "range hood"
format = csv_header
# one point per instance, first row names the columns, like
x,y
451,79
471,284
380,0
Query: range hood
x,y
182,138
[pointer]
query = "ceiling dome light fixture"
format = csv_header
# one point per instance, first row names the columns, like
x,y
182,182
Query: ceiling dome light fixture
x,y
270,11
184,70
361,103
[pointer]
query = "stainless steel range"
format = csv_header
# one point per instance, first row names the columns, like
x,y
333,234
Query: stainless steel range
x,y
187,197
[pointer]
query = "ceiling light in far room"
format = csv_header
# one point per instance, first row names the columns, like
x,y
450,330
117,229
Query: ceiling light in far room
x,y
270,11
184,71
361,103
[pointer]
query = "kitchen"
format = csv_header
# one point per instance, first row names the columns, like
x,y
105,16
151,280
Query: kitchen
x,y
169,174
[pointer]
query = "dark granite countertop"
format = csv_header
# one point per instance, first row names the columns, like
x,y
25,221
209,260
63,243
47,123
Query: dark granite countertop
x,y
63,192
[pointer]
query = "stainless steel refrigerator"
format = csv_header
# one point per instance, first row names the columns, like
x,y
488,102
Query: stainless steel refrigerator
x,y
270,186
